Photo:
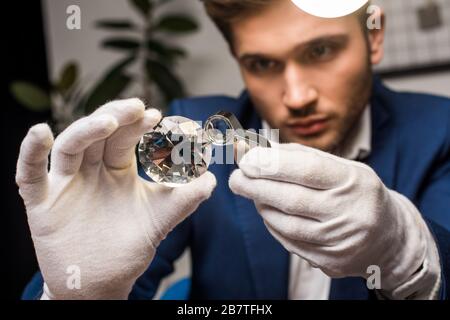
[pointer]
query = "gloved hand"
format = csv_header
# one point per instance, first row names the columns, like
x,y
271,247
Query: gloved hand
x,y
91,215
335,213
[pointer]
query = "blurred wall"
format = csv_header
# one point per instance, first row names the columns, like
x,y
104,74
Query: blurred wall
x,y
404,29
436,83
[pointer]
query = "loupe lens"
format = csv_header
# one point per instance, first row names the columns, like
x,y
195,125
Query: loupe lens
x,y
219,130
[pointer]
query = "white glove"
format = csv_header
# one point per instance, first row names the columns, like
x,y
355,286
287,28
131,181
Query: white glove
x,y
335,213
92,213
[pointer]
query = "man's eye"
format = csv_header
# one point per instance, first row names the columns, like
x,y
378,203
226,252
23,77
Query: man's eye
x,y
263,65
320,52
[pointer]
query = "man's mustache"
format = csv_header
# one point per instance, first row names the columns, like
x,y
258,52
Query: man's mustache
x,y
303,112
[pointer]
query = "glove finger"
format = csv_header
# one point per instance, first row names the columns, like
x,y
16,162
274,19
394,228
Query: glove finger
x,y
173,205
334,260
304,250
296,164
298,227
120,146
69,147
126,112
31,175
287,197
293,227
93,155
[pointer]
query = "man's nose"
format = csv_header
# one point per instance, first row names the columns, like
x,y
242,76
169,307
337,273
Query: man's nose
x,y
298,92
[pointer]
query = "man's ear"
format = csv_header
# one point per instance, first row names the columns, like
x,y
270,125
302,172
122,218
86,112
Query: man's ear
x,y
376,26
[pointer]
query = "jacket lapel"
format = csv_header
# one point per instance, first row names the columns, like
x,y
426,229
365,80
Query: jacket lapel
x,y
383,156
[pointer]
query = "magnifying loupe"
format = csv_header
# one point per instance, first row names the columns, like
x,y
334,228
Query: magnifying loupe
x,y
224,128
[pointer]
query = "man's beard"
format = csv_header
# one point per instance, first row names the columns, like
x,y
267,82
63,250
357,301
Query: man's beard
x,y
357,104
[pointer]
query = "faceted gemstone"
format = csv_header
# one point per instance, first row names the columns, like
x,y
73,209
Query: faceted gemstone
x,y
175,152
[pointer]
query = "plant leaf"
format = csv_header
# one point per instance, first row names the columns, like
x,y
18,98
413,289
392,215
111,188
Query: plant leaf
x,y
115,24
31,96
165,53
169,84
110,87
68,77
121,44
177,23
143,6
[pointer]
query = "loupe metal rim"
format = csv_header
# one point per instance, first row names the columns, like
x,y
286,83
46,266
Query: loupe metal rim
x,y
210,128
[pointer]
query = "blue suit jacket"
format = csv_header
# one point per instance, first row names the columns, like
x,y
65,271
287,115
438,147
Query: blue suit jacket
x,y
233,254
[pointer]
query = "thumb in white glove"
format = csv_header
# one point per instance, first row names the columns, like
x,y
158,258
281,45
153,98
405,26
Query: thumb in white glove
x,y
92,216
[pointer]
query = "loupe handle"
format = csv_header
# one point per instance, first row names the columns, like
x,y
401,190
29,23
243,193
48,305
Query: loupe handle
x,y
234,131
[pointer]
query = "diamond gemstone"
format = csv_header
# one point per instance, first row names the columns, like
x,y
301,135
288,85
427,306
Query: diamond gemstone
x,y
175,152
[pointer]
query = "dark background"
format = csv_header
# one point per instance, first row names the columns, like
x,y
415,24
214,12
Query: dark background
x,y
24,45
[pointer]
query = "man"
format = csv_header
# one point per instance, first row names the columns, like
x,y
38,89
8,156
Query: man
x,y
361,183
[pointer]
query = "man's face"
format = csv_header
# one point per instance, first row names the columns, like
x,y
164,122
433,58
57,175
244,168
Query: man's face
x,y
307,76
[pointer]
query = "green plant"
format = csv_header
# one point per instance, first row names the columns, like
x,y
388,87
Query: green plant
x,y
63,97
144,45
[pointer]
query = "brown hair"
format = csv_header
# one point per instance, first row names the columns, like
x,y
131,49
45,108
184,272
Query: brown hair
x,y
225,12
